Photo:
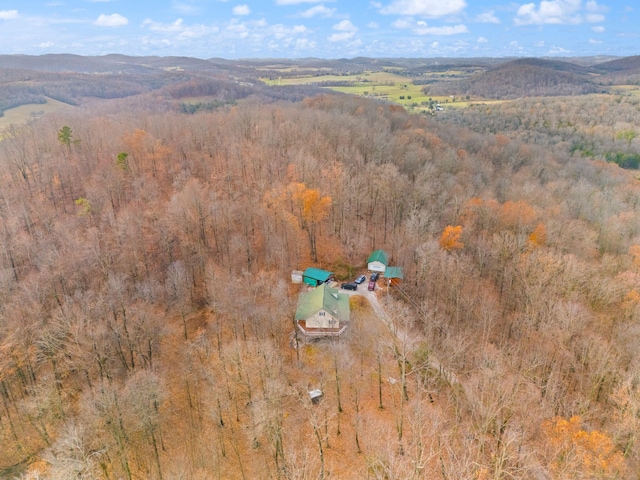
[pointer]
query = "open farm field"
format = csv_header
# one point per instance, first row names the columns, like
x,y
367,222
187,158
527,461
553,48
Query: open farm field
x,y
386,85
365,78
632,90
24,113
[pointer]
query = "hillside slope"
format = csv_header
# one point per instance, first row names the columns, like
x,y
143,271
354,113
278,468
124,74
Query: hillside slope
x,y
528,77
146,304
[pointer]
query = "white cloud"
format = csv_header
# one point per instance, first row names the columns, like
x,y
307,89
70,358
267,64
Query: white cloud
x,y
179,30
341,37
318,10
558,51
45,44
434,44
296,2
304,44
241,10
174,27
445,30
115,20
403,23
345,26
539,43
373,25
488,17
186,9
593,41
482,40
560,12
421,28
594,18
347,31
424,8
597,29
8,14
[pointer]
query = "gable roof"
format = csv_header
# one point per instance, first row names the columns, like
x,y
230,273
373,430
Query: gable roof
x,y
379,256
317,274
323,298
393,272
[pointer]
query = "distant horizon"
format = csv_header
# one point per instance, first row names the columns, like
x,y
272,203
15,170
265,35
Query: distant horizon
x,y
329,29
325,59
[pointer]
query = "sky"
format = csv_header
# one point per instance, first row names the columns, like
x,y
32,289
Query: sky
x,y
321,28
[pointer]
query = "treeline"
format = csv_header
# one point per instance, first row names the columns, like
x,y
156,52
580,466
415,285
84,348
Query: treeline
x,y
22,88
145,258
598,126
516,80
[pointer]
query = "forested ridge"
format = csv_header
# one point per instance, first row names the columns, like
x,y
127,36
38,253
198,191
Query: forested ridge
x,y
146,309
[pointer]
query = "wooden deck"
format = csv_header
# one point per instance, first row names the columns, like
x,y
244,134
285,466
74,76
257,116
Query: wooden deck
x,y
321,332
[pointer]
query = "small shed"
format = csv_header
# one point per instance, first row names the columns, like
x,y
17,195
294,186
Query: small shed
x,y
394,275
316,396
296,276
378,261
316,276
323,311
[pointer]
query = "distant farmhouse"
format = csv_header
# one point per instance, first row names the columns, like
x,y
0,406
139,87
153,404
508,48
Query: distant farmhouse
x,y
323,312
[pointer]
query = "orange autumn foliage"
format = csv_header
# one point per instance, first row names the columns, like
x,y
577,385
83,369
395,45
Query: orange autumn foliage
x,y
493,215
450,239
581,454
634,251
539,235
516,214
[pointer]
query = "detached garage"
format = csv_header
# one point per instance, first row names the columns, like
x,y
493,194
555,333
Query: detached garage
x,y
378,261
316,276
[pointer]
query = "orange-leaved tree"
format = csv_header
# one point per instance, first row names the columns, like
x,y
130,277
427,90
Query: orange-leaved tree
x,y
450,239
305,207
634,252
539,235
577,453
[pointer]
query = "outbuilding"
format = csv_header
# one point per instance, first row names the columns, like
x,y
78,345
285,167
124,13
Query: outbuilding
x,y
393,275
378,261
316,276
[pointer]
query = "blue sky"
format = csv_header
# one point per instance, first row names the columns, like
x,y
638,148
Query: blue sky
x,y
326,29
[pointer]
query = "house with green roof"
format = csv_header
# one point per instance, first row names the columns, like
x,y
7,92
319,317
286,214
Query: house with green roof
x,y
378,261
323,312
316,276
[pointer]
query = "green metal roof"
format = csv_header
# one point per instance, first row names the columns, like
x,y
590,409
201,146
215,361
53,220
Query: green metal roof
x,y
323,297
393,272
379,256
317,274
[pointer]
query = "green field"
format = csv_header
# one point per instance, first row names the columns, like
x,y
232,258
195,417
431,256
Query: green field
x,y
384,85
24,113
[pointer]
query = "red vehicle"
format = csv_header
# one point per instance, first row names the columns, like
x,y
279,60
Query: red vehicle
x,y
372,286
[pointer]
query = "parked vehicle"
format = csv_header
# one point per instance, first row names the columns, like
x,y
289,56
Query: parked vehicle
x,y
372,286
374,276
360,279
350,286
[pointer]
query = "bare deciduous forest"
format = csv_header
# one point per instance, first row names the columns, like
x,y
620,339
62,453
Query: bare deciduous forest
x,y
147,307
